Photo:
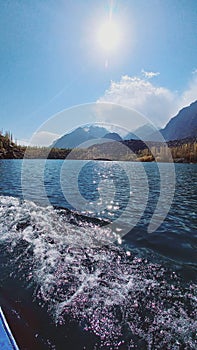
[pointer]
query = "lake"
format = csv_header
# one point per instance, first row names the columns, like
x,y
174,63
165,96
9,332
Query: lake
x,y
80,268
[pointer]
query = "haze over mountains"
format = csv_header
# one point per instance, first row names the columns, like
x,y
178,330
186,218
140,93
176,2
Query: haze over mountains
x,y
142,133
183,125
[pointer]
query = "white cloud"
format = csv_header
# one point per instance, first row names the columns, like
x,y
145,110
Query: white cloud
x,y
190,94
156,103
43,138
149,75
22,142
117,118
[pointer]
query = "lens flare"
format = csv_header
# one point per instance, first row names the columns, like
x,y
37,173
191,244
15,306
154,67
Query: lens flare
x,y
109,35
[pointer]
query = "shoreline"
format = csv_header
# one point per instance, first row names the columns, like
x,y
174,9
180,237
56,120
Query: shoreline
x,y
180,151
175,161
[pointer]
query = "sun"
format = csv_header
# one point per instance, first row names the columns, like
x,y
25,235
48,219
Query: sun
x,y
109,35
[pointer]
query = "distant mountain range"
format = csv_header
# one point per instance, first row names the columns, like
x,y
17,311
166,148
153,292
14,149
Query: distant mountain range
x,y
83,134
183,150
183,125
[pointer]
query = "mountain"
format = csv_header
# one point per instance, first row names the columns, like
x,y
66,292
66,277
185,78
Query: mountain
x,y
144,132
131,136
183,125
83,134
113,136
72,139
96,130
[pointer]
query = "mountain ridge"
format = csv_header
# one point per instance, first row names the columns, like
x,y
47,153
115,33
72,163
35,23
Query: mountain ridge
x,y
83,134
182,125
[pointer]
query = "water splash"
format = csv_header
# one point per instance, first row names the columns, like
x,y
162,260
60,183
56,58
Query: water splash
x,y
126,301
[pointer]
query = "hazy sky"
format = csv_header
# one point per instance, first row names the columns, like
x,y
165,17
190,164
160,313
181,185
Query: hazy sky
x,y
51,58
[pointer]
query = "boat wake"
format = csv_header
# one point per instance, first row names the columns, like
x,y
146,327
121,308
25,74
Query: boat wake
x,y
124,300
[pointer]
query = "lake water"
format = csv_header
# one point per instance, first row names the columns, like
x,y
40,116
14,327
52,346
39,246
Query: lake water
x,y
63,288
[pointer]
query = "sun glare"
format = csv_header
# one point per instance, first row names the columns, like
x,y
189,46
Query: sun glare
x,y
109,35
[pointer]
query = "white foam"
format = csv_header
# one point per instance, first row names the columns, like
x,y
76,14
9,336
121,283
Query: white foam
x,y
106,288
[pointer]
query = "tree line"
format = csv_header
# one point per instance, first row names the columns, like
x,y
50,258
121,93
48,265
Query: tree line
x,y
184,150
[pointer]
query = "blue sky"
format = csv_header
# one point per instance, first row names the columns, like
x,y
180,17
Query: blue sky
x,y
50,58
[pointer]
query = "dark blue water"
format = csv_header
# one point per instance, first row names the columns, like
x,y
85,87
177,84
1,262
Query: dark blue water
x,y
66,286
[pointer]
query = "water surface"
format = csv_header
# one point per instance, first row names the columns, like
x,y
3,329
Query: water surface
x,y
66,292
